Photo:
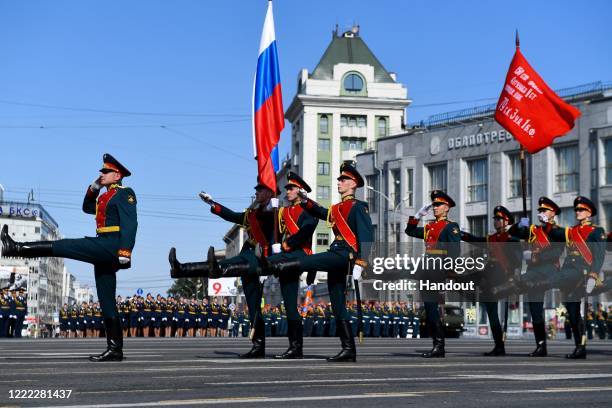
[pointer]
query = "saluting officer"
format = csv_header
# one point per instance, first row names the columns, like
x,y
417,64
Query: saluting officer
x,y
259,223
109,251
503,260
585,255
542,265
442,239
348,253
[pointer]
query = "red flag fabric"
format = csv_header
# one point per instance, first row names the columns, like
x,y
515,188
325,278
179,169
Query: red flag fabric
x,y
532,112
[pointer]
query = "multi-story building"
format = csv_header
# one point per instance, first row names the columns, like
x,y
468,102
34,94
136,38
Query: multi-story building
x,y
340,108
43,276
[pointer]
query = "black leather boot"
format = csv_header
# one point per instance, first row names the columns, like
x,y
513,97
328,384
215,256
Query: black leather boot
x,y
259,341
295,334
579,352
348,352
499,349
540,334
186,270
114,336
437,334
36,249
280,266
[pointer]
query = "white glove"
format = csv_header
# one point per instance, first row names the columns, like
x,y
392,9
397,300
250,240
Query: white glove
x,y
96,186
276,248
302,193
207,198
423,211
357,271
123,260
543,218
527,255
590,285
274,202
524,222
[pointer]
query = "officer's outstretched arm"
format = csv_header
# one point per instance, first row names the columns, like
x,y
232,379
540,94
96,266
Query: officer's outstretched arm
x,y
128,222
227,214
472,239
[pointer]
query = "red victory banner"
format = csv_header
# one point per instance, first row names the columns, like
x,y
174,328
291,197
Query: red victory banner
x,y
527,108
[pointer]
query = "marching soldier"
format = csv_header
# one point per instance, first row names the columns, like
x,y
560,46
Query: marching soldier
x,y
502,261
441,238
297,226
348,253
109,251
259,222
542,265
585,244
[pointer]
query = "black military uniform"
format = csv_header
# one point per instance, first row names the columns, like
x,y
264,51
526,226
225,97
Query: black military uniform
x,y
441,238
546,248
297,226
502,261
585,255
109,251
353,233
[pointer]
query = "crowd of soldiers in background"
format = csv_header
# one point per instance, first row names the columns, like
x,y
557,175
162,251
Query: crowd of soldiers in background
x,y
182,317
13,309
598,323
151,317
380,319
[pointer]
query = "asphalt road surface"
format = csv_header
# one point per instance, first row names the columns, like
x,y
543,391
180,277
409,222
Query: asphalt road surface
x,y
389,372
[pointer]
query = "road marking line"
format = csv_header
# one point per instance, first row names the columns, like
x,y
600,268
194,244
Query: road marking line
x,y
244,400
556,390
534,377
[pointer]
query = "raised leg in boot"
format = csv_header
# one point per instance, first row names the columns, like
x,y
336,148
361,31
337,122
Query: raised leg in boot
x,y
186,270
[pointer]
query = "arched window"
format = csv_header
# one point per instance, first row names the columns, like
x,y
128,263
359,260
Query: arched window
x,y
353,83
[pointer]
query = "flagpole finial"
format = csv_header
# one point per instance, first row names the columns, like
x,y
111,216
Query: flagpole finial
x,y
518,43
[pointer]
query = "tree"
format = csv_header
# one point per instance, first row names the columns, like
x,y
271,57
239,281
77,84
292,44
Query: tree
x,y
188,288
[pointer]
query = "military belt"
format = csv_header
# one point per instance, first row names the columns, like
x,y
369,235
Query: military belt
x,y
114,228
436,251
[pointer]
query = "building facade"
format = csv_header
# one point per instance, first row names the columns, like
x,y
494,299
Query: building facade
x,y
340,108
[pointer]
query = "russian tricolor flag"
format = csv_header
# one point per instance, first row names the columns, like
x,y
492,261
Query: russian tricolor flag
x,y
268,114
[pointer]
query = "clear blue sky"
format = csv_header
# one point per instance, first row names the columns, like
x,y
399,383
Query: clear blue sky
x,y
189,66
